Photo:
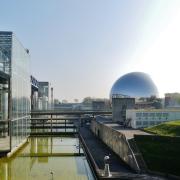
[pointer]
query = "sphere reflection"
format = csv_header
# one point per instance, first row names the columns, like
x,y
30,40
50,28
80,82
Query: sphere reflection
x,y
135,84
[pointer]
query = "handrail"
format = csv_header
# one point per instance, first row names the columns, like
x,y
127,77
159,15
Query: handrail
x,y
132,154
90,158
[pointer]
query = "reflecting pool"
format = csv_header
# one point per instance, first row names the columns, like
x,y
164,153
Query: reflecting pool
x,y
47,158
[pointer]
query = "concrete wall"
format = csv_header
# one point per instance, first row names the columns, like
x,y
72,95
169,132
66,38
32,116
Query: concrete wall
x,y
116,141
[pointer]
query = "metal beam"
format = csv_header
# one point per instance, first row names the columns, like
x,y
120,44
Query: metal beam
x,y
70,112
65,118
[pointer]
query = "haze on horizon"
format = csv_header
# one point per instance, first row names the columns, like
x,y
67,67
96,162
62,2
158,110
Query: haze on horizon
x,y
82,47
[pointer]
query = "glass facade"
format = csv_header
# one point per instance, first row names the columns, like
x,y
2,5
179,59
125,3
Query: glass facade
x,y
19,98
4,91
20,81
4,62
4,76
146,119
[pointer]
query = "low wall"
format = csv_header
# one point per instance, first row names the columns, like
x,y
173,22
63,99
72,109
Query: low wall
x,y
116,141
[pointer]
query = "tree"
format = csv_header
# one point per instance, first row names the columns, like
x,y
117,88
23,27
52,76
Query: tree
x,y
76,100
56,101
87,100
64,101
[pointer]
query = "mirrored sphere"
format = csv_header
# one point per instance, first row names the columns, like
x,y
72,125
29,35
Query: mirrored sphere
x,y
134,84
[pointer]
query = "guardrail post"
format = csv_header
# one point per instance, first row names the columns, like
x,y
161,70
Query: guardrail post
x,y
10,134
65,125
79,146
51,123
43,125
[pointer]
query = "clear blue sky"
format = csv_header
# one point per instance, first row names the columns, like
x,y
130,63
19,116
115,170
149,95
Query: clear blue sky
x,y
83,46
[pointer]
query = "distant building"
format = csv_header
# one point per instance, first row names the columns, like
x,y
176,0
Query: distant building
x,y
98,105
43,89
43,95
64,106
119,107
149,103
172,100
140,118
34,93
56,102
40,95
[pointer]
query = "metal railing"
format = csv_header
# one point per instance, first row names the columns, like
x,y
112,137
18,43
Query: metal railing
x,y
50,125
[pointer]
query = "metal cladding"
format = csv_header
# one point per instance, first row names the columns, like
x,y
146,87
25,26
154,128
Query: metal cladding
x,y
134,84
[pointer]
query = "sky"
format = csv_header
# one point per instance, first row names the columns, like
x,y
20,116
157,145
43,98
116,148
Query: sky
x,y
83,46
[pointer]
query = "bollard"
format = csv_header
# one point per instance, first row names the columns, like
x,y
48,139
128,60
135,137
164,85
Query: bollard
x,y
107,172
51,175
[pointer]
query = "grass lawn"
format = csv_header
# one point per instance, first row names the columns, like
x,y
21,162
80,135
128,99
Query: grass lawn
x,y
171,128
161,153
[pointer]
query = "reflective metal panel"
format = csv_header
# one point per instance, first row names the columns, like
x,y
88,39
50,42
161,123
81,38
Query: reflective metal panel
x,y
135,84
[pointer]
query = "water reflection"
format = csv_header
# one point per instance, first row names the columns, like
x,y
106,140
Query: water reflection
x,y
51,145
40,159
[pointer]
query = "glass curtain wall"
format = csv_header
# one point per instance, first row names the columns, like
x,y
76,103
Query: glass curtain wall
x,y
4,91
20,88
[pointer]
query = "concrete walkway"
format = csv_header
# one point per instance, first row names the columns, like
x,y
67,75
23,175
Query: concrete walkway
x,y
97,150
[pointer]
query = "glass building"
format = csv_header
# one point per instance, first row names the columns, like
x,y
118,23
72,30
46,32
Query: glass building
x,y
43,94
16,91
34,93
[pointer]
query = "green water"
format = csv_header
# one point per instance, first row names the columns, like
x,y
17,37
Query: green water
x,y
46,158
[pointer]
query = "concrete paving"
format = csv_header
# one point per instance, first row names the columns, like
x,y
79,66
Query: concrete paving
x,y
4,143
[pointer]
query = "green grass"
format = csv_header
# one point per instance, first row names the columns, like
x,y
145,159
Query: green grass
x,y
171,128
161,153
